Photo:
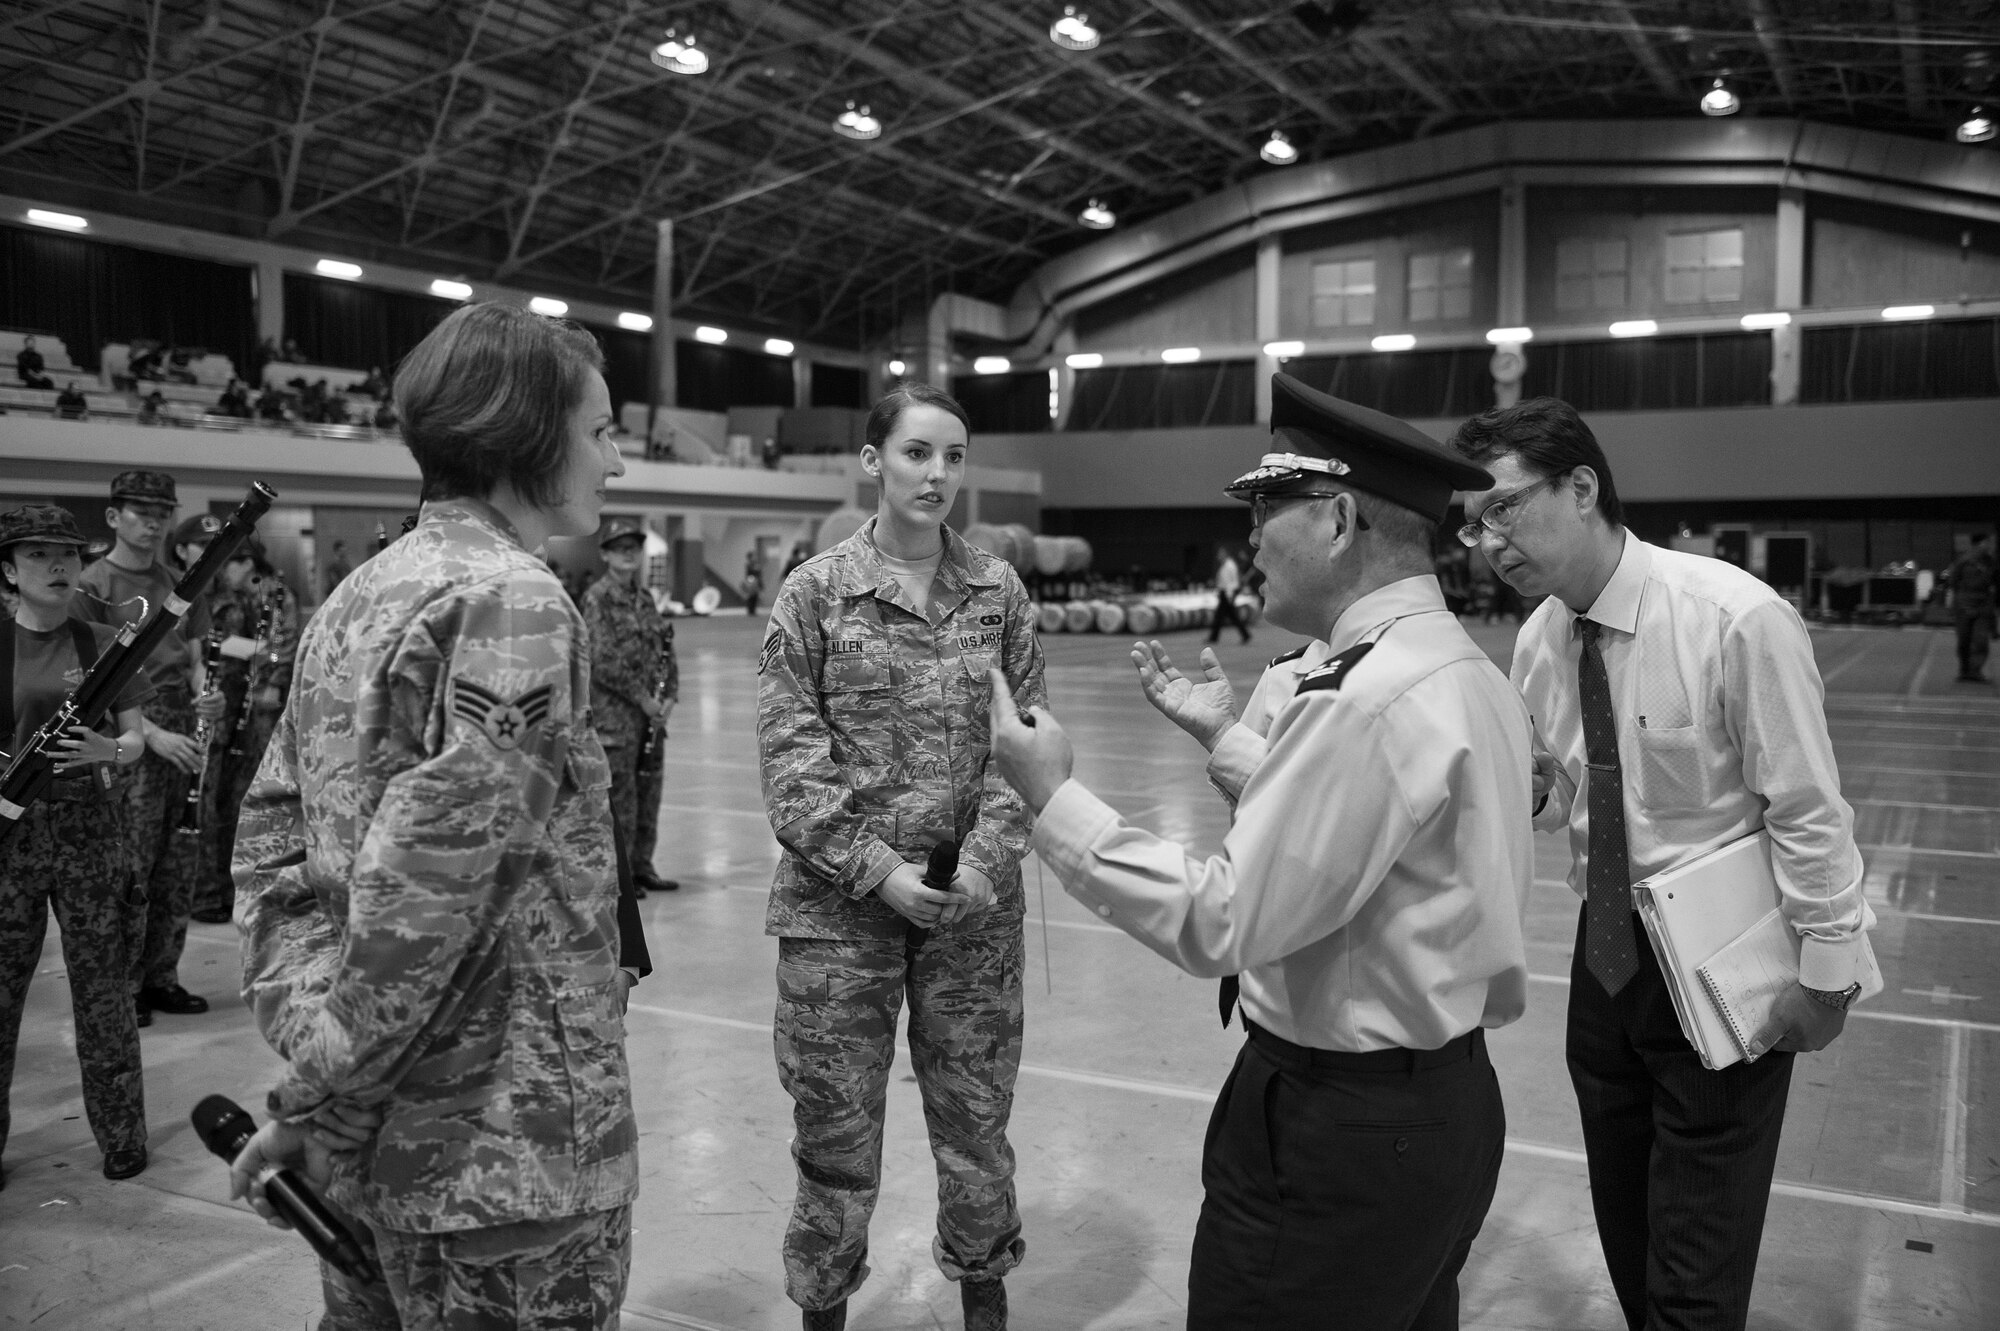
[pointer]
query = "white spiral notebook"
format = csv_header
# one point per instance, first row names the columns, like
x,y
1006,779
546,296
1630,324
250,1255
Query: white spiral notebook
x,y
1725,948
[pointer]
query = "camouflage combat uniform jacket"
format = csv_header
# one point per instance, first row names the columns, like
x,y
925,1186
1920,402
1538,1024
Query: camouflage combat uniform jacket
x,y
873,732
429,895
631,647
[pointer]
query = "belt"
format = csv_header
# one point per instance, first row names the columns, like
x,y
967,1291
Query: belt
x,y
1371,1060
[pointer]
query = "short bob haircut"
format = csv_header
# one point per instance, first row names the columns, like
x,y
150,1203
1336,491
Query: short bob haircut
x,y
882,419
1549,438
486,401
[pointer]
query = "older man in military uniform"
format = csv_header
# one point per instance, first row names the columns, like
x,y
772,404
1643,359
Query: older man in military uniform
x,y
120,589
1365,906
634,683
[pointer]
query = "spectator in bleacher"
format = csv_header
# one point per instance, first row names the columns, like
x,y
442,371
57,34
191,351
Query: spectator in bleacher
x,y
28,364
180,363
292,353
375,385
385,415
235,400
149,408
70,403
271,405
145,361
267,351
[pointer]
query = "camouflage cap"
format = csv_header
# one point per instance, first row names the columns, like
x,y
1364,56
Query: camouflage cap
x,y
199,529
617,529
151,487
39,522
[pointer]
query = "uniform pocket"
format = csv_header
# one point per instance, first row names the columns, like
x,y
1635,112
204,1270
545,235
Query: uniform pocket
x,y
858,698
1672,770
592,1035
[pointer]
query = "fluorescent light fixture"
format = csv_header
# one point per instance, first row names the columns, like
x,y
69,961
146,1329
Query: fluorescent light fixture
x,y
679,55
634,322
1902,312
1097,217
1084,360
450,290
1977,127
712,336
60,221
1634,328
1073,32
1720,101
857,124
555,309
1278,150
1775,319
991,365
340,268
1284,350
1180,355
898,369
1502,336
1394,342
777,346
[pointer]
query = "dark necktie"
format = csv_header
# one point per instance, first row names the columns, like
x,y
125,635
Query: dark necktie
x,y
1608,948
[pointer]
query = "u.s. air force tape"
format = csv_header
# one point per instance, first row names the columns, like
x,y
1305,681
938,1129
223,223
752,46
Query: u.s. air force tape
x,y
176,606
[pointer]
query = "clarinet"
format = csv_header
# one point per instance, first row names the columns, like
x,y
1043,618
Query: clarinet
x,y
267,619
656,743
204,733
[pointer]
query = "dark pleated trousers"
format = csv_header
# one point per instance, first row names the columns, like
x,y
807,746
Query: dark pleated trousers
x,y
1680,1157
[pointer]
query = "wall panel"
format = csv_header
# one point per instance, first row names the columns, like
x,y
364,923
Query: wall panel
x,y
1390,239
1203,305
1861,254
1645,219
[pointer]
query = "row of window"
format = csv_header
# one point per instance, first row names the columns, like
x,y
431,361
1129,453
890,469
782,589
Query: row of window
x,y
1703,268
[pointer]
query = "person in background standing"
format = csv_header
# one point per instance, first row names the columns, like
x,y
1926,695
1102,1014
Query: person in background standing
x,y
65,853
1228,581
801,552
631,646
1972,577
753,580
337,569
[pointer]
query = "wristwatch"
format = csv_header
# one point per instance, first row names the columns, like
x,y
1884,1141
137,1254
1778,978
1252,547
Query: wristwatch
x,y
1837,999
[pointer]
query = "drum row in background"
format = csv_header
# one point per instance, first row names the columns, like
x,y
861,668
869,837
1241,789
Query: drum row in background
x,y
1156,612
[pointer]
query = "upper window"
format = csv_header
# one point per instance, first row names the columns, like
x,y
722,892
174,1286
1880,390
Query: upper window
x,y
1705,267
1343,293
1441,285
1590,274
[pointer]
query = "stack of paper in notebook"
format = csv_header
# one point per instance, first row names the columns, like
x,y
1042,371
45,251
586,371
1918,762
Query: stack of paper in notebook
x,y
1724,947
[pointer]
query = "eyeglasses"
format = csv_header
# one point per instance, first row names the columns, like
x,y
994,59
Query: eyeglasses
x,y
1498,516
1262,504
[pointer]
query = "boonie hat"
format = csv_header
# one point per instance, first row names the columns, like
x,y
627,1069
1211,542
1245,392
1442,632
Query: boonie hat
x,y
199,529
148,487
1320,437
40,522
620,528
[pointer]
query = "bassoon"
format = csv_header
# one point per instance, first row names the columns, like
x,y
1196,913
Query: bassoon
x,y
204,734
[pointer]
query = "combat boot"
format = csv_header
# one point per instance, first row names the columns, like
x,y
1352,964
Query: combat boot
x,y
826,1319
985,1304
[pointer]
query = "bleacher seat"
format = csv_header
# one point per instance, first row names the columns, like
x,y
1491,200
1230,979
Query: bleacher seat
x,y
211,372
55,355
279,373
15,398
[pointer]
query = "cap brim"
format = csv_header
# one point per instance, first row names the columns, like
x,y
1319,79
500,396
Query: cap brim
x,y
1269,480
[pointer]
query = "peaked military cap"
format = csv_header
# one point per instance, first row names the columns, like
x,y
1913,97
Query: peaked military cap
x,y
619,528
1322,439
149,487
199,529
40,522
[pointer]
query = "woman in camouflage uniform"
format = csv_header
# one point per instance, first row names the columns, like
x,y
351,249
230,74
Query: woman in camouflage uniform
x,y
873,732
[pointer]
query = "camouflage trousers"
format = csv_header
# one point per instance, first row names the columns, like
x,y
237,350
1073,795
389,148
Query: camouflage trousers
x,y
838,1001
164,859
566,1274
635,794
63,858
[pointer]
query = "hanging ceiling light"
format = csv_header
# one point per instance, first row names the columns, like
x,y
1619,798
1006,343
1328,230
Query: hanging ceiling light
x,y
680,55
1097,217
1719,100
1977,127
857,124
1072,31
1278,150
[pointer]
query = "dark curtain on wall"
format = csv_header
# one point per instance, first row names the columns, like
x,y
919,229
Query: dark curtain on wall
x,y
839,386
715,378
1653,373
1154,397
1158,542
357,327
625,358
1005,403
88,293
1449,383
1900,361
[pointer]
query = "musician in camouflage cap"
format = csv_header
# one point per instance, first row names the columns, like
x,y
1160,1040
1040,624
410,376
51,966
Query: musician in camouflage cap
x,y
438,962
634,683
872,729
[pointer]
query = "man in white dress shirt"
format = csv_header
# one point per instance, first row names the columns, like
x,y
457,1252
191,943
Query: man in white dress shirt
x,y
1681,709
1368,898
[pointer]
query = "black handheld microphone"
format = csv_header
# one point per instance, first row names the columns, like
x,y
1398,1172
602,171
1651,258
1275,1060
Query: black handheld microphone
x,y
942,866
225,1129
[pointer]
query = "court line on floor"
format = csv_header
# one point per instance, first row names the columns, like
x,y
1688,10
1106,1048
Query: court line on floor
x,y
1867,1014
1877,848
1866,1201
1951,1170
1916,686
1928,807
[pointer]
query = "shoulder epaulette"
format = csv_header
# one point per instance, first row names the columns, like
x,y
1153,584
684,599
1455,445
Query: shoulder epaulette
x,y
1329,676
1292,655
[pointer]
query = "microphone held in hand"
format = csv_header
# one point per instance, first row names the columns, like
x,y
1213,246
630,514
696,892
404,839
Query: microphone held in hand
x,y
942,866
225,1129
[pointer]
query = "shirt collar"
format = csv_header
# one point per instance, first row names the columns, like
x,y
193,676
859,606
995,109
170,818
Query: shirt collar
x,y
473,513
862,569
1617,606
1407,596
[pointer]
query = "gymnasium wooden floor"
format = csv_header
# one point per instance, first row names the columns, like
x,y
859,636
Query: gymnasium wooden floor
x,y
1886,1213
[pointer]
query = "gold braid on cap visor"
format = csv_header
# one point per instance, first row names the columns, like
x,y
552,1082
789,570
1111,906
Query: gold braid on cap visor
x,y
1277,466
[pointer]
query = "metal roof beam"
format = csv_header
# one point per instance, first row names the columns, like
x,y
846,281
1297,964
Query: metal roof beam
x,y
1909,30
1378,47
1649,56
1255,65
1766,24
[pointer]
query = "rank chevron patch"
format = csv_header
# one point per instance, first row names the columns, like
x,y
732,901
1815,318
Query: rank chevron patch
x,y
506,722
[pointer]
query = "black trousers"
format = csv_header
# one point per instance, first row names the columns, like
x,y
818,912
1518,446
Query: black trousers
x,y
1344,1190
1680,1157
1975,633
